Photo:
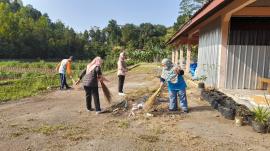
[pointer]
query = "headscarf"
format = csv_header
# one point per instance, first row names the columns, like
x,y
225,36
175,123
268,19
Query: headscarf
x,y
168,71
168,63
94,63
122,56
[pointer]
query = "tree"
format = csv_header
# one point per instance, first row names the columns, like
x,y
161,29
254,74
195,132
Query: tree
x,y
186,9
26,33
130,34
113,32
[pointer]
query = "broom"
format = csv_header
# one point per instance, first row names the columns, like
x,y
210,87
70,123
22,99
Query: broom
x,y
106,92
150,102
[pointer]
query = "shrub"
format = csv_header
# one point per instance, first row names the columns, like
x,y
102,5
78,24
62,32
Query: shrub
x,y
261,114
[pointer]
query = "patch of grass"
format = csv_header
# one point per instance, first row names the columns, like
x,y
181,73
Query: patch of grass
x,y
19,130
149,138
9,75
74,134
124,124
13,125
50,129
31,119
147,69
16,134
16,89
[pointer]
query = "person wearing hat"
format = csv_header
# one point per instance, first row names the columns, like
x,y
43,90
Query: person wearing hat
x,y
64,67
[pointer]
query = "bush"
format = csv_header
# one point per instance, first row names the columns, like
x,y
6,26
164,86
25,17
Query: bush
x,y
261,114
155,54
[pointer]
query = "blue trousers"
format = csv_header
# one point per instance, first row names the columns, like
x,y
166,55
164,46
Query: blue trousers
x,y
63,81
182,99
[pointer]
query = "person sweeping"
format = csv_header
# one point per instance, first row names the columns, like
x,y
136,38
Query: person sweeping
x,y
91,75
176,85
64,67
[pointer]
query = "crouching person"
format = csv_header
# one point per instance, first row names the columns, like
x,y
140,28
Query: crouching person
x,y
176,85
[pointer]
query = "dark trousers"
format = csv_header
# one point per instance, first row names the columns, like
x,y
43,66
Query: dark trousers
x,y
63,81
89,92
121,80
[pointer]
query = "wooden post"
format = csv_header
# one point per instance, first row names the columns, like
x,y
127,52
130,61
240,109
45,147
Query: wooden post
x,y
173,55
223,54
176,55
188,58
181,56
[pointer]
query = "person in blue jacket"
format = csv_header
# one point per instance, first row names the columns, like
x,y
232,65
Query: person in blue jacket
x,y
176,85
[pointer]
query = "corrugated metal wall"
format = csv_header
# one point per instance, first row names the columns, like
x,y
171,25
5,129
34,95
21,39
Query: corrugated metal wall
x,y
208,52
248,52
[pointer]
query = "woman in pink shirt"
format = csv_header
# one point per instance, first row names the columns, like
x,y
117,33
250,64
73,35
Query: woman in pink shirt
x,y
122,69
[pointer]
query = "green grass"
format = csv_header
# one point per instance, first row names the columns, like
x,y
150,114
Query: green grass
x,y
28,64
108,64
24,87
9,75
20,79
50,129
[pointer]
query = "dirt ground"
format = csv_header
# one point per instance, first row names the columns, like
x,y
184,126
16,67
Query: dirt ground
x,y
59,121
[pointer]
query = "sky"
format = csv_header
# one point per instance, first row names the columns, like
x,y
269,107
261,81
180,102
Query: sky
x,y
83,14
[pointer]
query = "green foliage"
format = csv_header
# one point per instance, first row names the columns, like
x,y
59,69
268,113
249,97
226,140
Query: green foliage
x,y
186,9
110,62
28,78
27,86
114,33
26,33
261,114
152,55
9,75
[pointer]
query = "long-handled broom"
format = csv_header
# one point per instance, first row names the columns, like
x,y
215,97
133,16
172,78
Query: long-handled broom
x,y
106,91
74,84
151,100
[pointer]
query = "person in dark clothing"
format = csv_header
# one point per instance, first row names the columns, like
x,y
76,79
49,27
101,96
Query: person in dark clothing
x,y
91,75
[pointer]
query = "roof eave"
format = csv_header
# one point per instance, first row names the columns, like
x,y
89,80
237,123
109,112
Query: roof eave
x,y
207,10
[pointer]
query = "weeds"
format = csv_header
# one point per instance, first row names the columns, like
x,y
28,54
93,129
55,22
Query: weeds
x,y
16,134
149,138
74,134
50,129
16,89
261,114
124,124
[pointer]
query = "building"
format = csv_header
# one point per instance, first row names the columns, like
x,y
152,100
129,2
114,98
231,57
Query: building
x,y
233,38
